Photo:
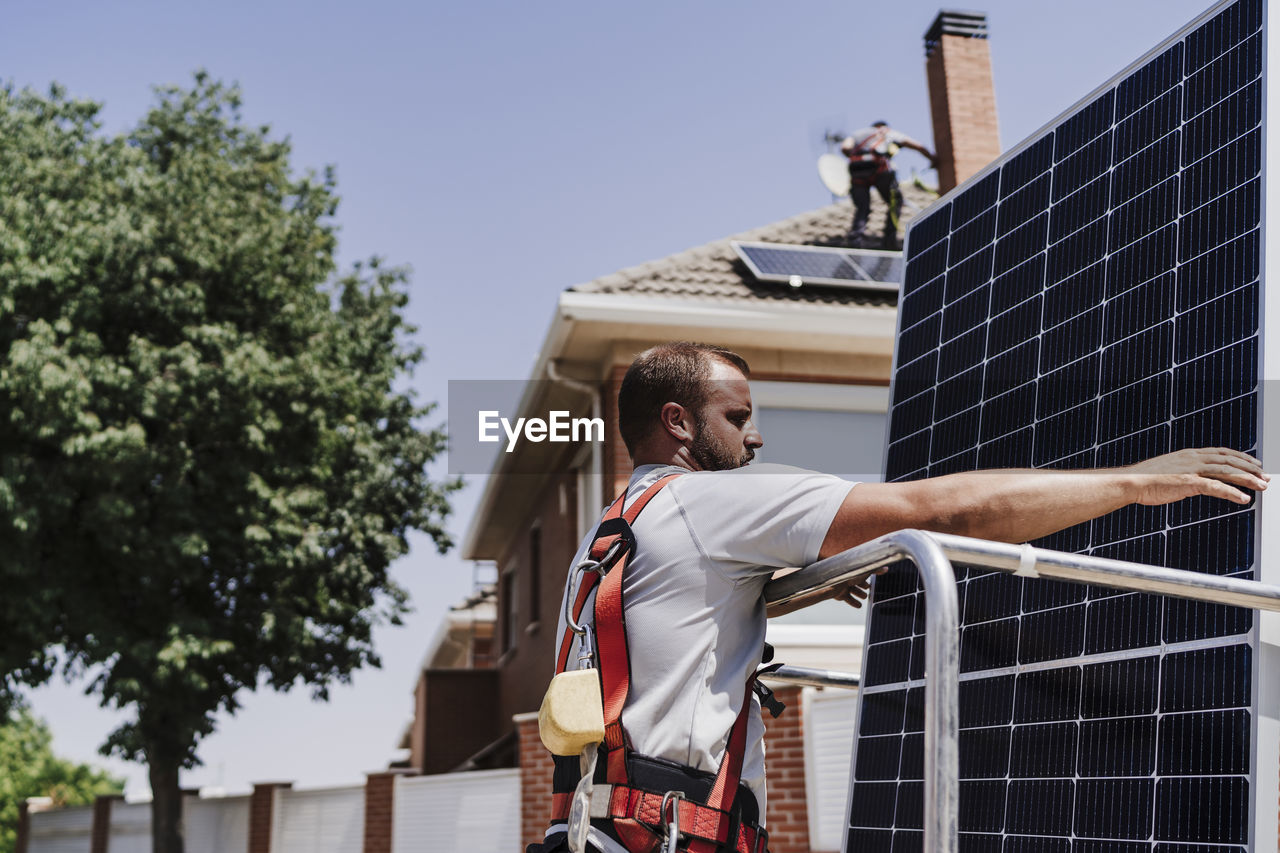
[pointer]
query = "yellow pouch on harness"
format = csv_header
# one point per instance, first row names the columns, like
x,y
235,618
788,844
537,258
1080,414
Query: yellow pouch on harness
x,y
572,715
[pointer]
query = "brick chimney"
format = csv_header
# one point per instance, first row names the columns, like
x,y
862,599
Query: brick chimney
x,y
961,95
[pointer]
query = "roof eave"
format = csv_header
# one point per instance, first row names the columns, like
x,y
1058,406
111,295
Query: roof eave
x,y
819,326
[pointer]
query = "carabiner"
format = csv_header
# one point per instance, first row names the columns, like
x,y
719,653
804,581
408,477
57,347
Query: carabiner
x,y
673,825
599,567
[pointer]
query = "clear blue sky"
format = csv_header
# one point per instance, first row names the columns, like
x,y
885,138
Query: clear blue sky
x,y
509,150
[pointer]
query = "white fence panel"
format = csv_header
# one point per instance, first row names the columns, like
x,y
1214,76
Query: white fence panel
x,y
328,821
478,812
61,830
829,726
130,828
215,825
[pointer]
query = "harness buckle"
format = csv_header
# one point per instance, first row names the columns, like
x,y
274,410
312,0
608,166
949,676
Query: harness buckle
x,y
673,825
585,566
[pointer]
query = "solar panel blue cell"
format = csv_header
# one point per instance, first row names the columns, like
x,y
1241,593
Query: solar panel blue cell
x,y
927,231
1022,168
1226,74
1204,744
1149,82
1020,207
1144,170
1123,746
1114,808
930,264
1152,122
1211,809
977,198
1090,122
1094,299
1017,284
1085,164
975,235
1227,168
1079,209
1021,245
1222,123
1220,34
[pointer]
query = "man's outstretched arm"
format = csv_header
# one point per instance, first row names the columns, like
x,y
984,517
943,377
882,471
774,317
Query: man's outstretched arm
x,y
1017,505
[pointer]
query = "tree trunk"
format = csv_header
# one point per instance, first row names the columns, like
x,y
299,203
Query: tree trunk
x,y
166,805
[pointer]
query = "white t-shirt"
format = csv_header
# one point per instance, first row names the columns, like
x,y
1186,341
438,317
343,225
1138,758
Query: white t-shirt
x,y
693,594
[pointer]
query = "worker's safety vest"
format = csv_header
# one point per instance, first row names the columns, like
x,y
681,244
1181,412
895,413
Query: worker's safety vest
x,y
643,799
866,160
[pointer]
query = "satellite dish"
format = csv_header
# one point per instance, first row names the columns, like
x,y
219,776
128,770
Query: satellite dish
x,y
833,169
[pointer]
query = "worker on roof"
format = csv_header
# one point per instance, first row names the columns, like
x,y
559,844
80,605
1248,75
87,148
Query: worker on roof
x,y
685,554
870,152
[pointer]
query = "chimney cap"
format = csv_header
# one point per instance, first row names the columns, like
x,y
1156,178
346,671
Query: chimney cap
x,y
953,22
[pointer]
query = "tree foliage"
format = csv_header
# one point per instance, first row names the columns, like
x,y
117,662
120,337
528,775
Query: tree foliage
x,y
29,768
208,460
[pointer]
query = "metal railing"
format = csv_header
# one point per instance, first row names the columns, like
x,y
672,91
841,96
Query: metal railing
x,y
810,677
933,555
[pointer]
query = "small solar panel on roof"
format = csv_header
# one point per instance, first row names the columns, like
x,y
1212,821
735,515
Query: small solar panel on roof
x,y
818,265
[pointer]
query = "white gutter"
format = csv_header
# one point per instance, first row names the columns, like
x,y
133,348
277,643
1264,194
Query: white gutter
x,y
596,497
808,318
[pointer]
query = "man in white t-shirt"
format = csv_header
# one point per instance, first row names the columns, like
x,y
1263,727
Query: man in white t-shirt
x,y
870,152
712,537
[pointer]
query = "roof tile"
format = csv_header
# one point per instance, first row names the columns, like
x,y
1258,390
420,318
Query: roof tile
x,y
714,272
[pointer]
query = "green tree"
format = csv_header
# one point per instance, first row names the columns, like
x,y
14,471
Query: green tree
x,y
28,768
208,460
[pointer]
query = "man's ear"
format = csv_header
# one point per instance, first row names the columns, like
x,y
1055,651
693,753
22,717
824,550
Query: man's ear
x,y
677,421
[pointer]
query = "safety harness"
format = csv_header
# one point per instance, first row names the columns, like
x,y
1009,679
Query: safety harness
x,y
643,817
867,162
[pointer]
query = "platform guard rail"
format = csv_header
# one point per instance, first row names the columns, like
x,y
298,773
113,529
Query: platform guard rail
x,y
934,555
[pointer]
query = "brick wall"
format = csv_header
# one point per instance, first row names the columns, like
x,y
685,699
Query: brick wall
x,y
962,98
787,816
261,805
379,799
535,781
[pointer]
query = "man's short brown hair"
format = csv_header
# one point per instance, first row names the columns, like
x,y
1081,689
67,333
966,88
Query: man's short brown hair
x,y
668,373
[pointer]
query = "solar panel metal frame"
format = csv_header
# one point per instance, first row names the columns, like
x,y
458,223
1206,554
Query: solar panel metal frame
x,y
1264,636
848,255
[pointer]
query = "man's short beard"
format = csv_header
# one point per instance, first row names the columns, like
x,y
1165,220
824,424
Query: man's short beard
x,y
712,458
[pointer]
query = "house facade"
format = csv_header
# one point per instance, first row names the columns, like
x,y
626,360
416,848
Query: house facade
x,y
820,359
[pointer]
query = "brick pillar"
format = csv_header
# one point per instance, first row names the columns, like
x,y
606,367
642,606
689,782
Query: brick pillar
x,y
100,835
962,96
787,815
379,810
262,804
24,829
536,768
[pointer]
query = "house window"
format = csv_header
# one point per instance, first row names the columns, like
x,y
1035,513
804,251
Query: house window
x,y
836,429
510,609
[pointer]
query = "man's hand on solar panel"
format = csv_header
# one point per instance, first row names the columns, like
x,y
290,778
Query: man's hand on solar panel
x,y
1218,472
1018,505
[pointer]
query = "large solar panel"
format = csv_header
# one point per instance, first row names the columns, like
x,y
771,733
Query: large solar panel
x,y
800,265
1091,299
